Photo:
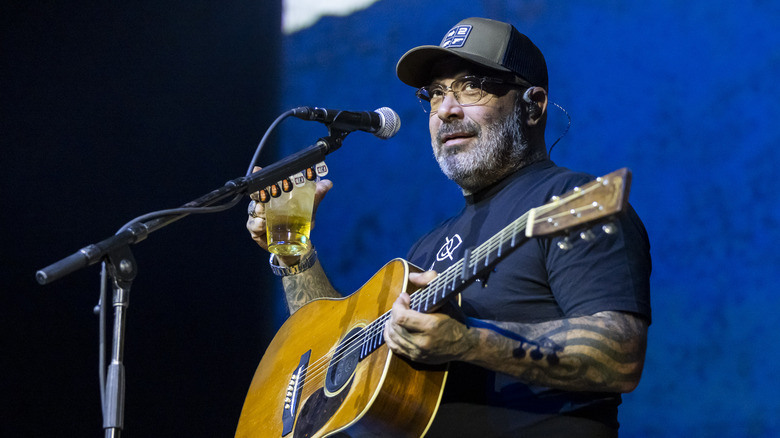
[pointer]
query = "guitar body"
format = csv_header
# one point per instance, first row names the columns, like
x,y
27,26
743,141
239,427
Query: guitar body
x,y
377,395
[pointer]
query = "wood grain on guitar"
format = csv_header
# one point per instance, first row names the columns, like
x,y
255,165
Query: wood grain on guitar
x,y
603,197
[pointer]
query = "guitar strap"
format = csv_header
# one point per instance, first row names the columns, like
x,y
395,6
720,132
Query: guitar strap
x,y
525,344
479,323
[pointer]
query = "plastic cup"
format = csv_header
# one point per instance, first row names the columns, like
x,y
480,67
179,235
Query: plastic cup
x,y
288,216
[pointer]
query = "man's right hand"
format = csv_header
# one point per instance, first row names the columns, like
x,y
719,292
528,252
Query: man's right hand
x,y
256,224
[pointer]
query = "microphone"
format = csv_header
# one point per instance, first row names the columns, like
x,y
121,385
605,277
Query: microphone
x,y
382,122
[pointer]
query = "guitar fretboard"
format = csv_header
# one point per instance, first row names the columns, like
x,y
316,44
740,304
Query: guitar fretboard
x,y
453,280
474,264
597,199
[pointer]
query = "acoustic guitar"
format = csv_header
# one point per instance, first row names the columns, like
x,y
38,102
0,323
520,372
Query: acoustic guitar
x,y
328,372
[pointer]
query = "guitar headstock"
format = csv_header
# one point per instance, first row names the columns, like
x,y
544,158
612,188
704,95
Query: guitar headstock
x,y
600,198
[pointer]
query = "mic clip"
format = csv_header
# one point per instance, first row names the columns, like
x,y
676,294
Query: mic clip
x,y
334,139
336,130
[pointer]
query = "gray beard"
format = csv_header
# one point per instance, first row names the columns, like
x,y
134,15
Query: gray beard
x,y
500,149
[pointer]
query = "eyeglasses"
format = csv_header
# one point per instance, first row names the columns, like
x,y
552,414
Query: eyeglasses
x,y
468,91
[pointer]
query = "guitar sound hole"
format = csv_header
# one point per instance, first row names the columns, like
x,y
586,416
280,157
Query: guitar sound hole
x,y
344,361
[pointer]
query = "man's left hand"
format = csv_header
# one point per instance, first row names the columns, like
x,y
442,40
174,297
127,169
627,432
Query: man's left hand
x,y
428,338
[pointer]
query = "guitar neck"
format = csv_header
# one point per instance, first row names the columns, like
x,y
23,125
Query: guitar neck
x,y
596,200
476,263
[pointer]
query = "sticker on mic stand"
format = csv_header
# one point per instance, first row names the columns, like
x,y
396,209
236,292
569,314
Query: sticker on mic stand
x,y
287,185
322,169
264,196
299,179
275,191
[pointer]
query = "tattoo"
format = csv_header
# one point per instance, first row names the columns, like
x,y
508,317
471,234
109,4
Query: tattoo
x,y
307,286
538,350
602,352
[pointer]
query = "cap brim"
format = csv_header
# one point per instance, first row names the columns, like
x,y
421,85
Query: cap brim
x,y
415,66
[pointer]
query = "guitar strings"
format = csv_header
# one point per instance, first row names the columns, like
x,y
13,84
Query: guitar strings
x,y
375,328
320,366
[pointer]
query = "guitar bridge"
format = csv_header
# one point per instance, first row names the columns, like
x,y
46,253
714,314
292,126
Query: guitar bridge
x,y
293,396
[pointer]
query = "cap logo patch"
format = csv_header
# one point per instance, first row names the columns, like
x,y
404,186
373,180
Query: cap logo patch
x,y
457,36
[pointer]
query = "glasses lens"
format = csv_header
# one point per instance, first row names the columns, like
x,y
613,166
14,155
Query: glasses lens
x,y
468,90
431,97
424,93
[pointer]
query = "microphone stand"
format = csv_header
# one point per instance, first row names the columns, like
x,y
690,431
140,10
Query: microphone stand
x,y
122,270
122,267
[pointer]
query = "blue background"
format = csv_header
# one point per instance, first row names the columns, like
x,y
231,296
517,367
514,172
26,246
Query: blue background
x,y
109,111
685,94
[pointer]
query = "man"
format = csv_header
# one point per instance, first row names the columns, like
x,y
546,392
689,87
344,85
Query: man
x,y
549,340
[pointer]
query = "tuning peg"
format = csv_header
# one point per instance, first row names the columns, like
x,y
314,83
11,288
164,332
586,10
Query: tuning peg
x,y
564,244
587,235
609,228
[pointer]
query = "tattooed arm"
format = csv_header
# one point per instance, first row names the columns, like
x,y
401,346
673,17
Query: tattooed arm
x,y
600,352
307,285
312,283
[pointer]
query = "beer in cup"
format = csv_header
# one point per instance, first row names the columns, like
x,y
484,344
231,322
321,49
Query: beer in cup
x,y
288,215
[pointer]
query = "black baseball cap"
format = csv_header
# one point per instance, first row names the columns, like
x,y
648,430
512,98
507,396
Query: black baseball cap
x,y
487,43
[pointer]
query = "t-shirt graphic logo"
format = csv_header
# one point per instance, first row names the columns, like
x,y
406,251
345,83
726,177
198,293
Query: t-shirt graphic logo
x,y
457,36
448,249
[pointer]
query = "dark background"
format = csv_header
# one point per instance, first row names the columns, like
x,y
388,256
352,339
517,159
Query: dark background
x,y
111,110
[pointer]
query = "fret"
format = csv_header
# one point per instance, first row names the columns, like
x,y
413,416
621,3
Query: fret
x,y
465,265
454,277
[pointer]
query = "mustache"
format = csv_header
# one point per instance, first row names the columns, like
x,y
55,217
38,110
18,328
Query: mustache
x,y
458,126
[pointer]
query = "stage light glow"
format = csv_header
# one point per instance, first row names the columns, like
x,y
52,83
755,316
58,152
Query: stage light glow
x,y
300,14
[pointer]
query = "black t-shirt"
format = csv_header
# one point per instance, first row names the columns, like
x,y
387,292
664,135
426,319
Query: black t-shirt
x,y
537,282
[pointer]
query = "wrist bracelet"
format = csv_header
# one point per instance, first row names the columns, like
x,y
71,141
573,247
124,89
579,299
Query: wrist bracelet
x,y
306,262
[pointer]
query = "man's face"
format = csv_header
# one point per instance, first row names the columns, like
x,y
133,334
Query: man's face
x,y
475,145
